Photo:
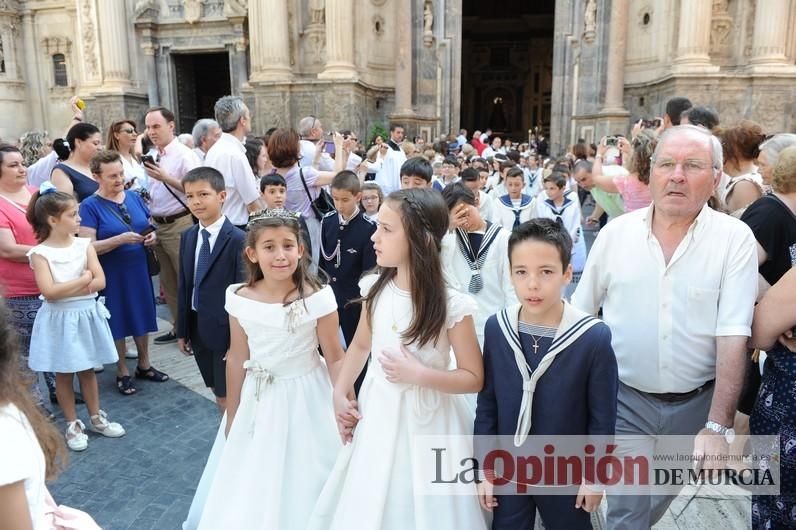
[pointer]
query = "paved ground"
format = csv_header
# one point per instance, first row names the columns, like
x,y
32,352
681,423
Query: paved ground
x,y
146,480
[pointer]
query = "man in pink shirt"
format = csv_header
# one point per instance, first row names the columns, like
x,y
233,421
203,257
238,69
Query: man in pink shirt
x,y
168,208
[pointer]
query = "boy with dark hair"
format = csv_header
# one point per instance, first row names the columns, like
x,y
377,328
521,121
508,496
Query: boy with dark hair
x,y
701,117
549,370
416,173
273,189
674,109
513,208
211,253
450,173
347,251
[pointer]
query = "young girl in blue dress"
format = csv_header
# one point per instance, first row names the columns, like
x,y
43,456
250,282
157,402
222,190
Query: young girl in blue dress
x,y
71,333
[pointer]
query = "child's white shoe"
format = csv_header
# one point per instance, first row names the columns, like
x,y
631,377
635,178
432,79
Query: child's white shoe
x,y
99,423
76,439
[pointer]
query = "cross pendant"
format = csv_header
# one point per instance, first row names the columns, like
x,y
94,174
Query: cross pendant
x,y
535,348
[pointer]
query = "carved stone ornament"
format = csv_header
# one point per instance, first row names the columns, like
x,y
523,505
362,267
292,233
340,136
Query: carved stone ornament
x,y
145,9
590,21
720,27
317,9
428,23
192,10
236,8
89,38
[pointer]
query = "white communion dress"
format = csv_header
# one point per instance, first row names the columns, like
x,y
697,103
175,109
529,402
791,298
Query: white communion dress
x,y
375,481
284,441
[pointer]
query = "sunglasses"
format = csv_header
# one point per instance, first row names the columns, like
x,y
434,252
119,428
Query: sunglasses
x,y
127,130
125,214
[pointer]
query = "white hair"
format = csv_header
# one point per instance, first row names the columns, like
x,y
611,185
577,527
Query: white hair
x,y
716,152
774,146
201,129
306,125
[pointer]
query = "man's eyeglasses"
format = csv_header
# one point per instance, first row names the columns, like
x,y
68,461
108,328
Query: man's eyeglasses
x,y
689,168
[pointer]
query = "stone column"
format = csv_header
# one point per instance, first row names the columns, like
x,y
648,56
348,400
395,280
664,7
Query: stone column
x,y
615,73
237,62
403,59
113,43
269,46
151,75
32,69
693,39
770,40
339,41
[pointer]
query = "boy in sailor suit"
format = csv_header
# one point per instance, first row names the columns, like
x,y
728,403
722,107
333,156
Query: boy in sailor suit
x,y
562,206
514,208
549,369
347,251
475,256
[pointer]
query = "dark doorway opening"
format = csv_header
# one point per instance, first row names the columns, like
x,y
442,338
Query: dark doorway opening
x,y
202,78
507,67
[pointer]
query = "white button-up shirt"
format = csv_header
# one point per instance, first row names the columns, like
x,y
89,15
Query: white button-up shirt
x,y
177,160
214,230
389,177
307,152
228,156
665,318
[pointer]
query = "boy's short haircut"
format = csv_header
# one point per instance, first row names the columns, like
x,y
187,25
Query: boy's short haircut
x,y
470,174
556,178
206,174
546,231
515,172
346,181
452,160
514,156
272,179
417,166
456,193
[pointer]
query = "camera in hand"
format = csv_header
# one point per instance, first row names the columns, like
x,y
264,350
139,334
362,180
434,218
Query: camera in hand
x,y
611,141
651,124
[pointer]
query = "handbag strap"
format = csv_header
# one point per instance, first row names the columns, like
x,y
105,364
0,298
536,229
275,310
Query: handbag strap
x,y
114,212
304,183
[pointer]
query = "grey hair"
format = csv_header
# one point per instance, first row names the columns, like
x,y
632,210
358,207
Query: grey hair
x,y
306,125
774,145
716,152
581,165
229,110
201,129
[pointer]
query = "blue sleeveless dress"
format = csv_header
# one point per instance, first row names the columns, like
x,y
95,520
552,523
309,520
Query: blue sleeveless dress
x,y
84,186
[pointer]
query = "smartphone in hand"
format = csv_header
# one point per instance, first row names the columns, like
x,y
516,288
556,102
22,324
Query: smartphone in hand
x,y
146,231
149,159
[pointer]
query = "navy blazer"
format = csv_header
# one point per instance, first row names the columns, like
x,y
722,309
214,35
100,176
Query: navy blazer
x,y
577,394
356,254
226,267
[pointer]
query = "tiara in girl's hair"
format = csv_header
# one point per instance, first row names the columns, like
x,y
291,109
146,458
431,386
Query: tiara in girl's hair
x,y
271,213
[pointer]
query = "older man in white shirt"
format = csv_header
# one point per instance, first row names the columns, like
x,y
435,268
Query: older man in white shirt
x,y
228,156
311,133
205,133
677,283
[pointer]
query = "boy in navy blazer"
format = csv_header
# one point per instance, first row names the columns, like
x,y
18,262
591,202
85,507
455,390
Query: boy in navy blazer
x,y
210,261
549,369
347,251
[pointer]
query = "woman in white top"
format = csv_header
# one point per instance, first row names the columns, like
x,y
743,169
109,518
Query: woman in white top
x,y
741,184
121,138
31,449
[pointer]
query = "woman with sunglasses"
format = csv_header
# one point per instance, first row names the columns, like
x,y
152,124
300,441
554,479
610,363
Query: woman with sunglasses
x,y
122,136
117,221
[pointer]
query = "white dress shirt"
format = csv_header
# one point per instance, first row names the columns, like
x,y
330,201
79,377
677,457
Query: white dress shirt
x,y
665,318
214,230
307,152
389,177
228,156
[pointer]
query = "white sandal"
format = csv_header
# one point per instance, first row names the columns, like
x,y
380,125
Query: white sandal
x,y
76,439
99,423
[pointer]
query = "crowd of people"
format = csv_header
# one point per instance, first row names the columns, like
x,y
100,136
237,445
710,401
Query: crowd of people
x,y
340,296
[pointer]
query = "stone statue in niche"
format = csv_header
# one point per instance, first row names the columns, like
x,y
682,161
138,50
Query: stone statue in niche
x,y
192,10
590,21
428,23
317,10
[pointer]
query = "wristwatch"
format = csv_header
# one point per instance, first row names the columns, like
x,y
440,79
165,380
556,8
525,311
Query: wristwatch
x,y
727,432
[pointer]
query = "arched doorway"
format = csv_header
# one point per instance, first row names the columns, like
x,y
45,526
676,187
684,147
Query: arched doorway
x,y
507,72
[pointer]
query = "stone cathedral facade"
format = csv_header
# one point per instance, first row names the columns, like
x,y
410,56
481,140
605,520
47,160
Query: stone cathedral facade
x,y
568,68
